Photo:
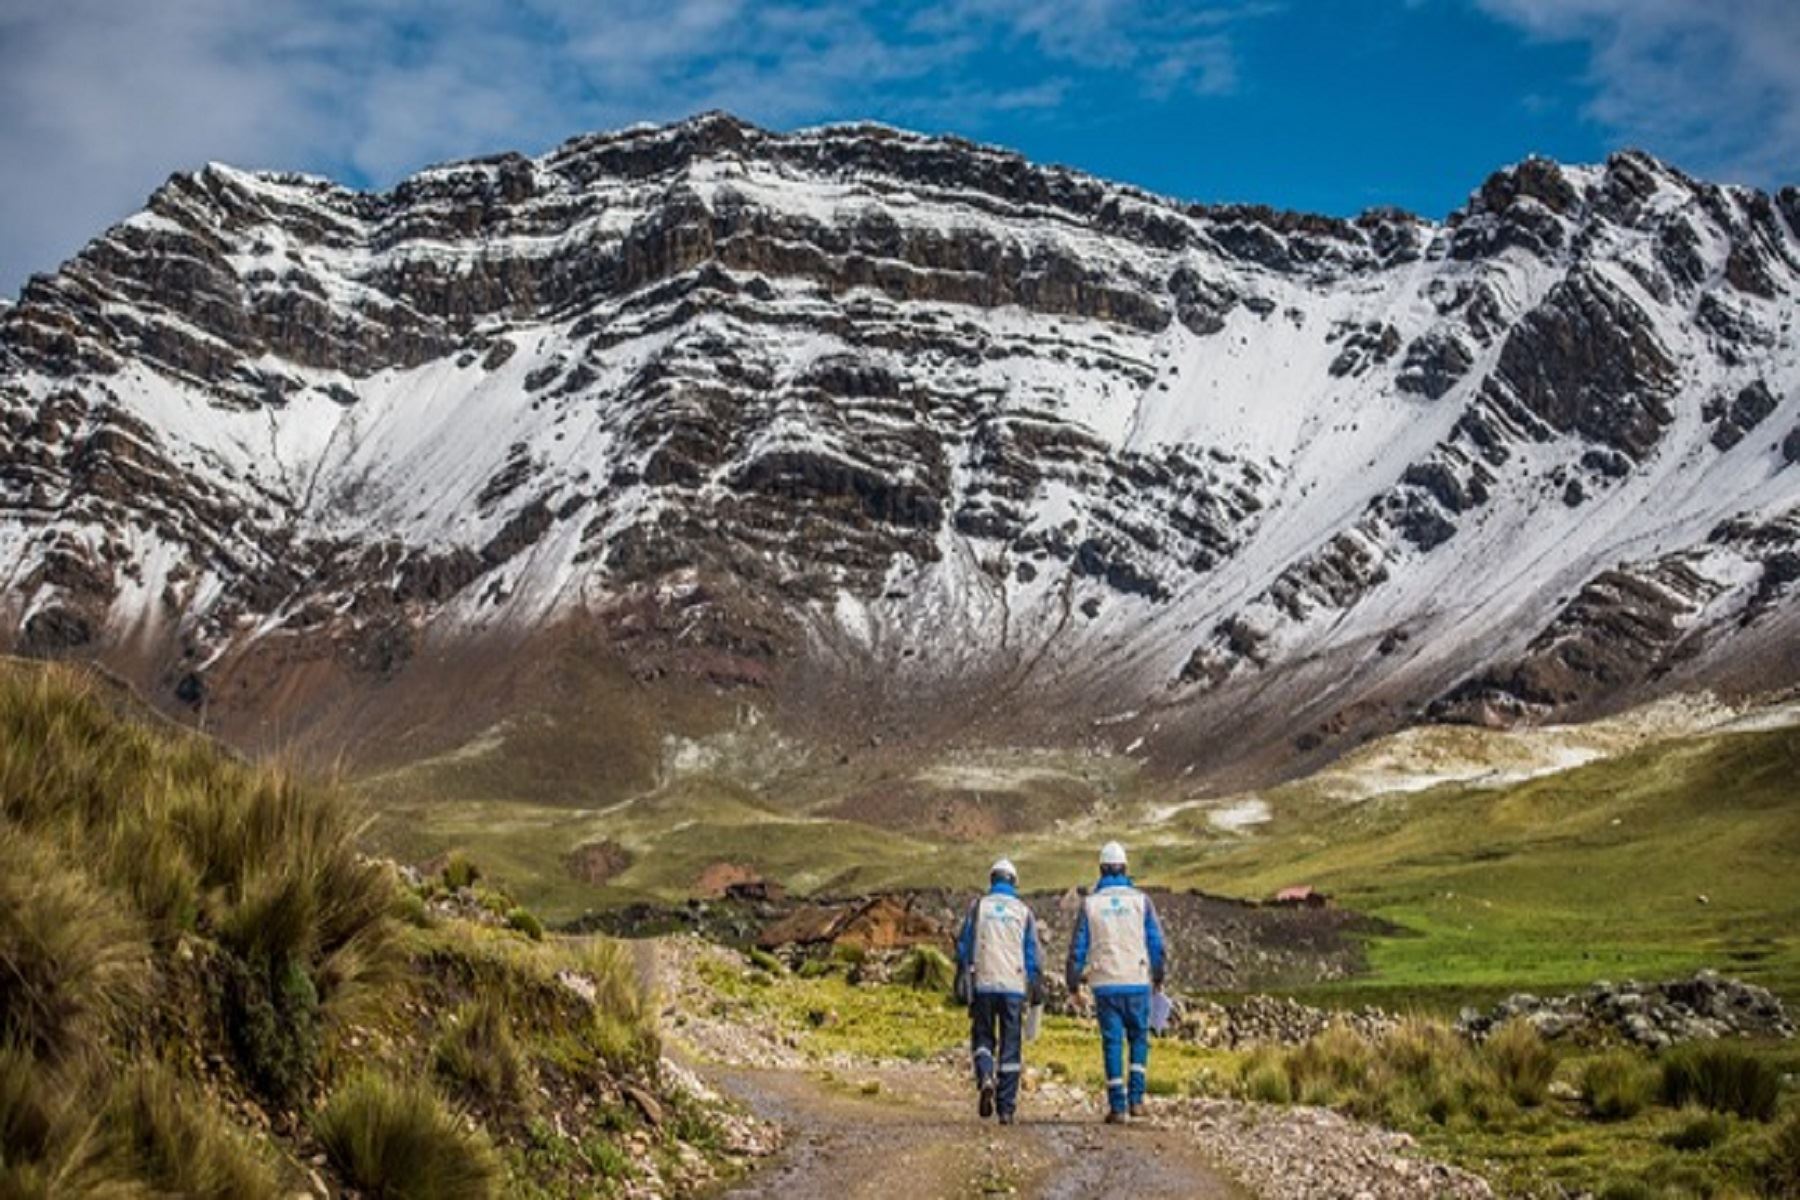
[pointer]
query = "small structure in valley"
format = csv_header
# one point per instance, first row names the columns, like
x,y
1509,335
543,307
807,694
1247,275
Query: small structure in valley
x,y
1301,896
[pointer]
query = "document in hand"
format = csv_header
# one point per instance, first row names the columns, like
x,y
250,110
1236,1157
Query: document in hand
x,y
1160,1012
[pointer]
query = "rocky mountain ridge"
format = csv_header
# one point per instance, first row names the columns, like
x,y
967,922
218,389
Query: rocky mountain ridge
x,y
906,433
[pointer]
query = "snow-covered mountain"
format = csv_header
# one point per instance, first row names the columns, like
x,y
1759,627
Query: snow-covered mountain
x,y
910,434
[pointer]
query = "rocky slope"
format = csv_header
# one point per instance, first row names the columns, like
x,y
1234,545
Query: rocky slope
x,y
895,432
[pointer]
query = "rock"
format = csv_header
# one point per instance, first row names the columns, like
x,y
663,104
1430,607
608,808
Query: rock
x,y
1653,1015
646,1104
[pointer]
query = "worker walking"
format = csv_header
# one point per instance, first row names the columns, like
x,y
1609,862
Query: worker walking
x,y
998,972
1118,950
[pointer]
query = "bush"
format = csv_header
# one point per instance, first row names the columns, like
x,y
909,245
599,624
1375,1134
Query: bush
x,y
815,968
1722,1077
1617,1086
164,1135
479,1053
622,1030
396,1140
460,871
409,907
763,960
926,969
1699,1131
1268,1084
525,921
1521,1062
1333,1063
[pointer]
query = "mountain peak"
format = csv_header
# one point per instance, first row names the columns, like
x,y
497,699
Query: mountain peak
x,y
882,428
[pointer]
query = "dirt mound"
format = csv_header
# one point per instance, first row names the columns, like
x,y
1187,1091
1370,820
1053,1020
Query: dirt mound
x,y
717,878
597,862
879,923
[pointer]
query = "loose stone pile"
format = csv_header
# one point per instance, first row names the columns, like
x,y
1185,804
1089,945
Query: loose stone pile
x,y
1303,1153
1274,1019
1653,1015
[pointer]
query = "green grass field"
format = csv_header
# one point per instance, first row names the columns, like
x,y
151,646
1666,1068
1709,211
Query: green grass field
x,y
1673,856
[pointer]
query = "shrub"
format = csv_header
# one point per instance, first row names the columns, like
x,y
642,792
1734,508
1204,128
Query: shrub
x,y
396,1140
525,921
1268,1084
763,960
1699,1131
70,959
621,1029
1418,1048
1336,1061
409,907
815,968
460,871
926,969
1521,1062
164,1134
1617,1086
1722,1077
479,1053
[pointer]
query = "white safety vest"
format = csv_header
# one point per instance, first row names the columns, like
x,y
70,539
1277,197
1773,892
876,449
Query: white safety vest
x,y
1002,923
1118,953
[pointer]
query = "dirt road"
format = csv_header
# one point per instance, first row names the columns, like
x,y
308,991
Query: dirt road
x,y
854,1127
919,1137
911,1130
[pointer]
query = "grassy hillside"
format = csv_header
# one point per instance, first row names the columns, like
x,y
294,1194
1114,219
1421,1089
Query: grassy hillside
x,y
1675,856
1592,872
209,991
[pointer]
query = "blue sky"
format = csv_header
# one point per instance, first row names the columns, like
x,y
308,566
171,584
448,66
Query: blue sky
x,y
1329,105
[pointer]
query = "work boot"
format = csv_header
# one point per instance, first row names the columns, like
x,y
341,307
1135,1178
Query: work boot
x,y
987,1099
1114,1117
1138,1110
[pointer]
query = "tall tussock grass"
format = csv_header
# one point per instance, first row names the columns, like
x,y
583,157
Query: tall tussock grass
x,y
119,839
1421,1070
186,939
1722,1077
72,958
397,1140
125,852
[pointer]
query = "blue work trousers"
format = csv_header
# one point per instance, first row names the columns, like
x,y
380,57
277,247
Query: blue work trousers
x,y
1124,1018
994,1039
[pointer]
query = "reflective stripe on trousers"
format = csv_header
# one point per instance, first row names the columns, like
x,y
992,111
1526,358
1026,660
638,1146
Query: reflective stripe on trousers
x,y
1124,1019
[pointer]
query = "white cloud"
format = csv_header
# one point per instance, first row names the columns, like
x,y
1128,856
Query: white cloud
x,y
1712,84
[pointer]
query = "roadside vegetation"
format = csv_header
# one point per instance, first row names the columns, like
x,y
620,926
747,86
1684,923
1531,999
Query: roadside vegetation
x,y
208,989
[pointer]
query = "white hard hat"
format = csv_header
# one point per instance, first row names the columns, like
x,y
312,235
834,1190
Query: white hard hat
x,y
1112,855
1003,866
